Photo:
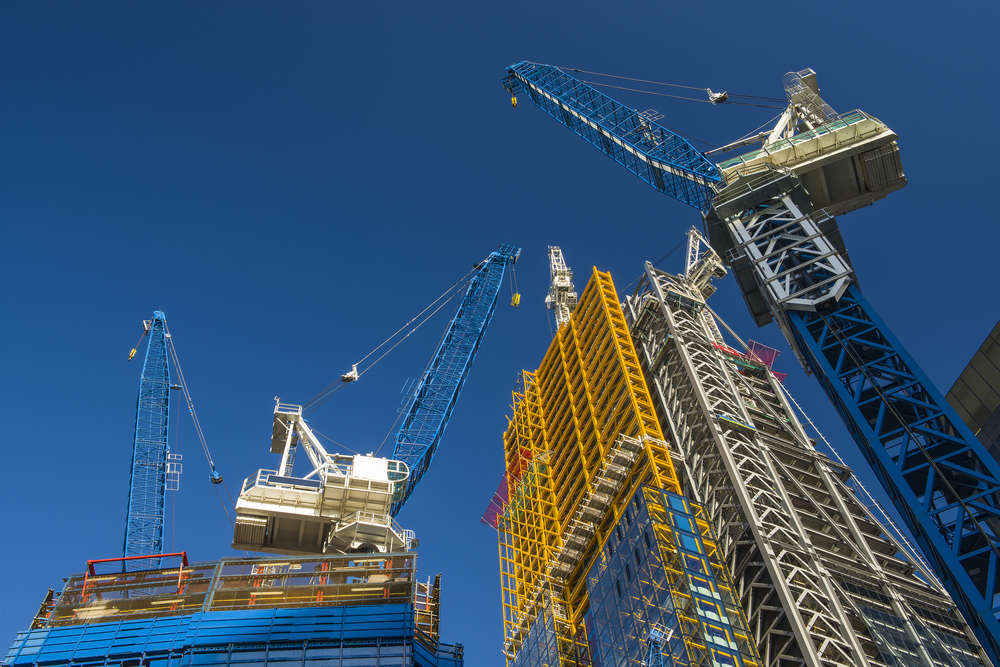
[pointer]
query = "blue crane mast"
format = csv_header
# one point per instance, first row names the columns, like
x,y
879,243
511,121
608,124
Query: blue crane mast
x,y
770,213
148,481
429,407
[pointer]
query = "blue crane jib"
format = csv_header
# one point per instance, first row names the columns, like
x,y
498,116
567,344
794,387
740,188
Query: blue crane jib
x,y
435,395
652,152
147,485
773,221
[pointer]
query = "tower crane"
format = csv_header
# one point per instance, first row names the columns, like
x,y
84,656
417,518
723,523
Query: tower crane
x,y
770,214
349,503
154,470
562,295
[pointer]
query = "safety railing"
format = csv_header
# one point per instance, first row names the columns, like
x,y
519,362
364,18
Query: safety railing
x,y
373,519
839,122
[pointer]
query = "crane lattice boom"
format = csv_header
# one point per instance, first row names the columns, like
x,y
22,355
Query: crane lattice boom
x,y
148,482
435,395
650,151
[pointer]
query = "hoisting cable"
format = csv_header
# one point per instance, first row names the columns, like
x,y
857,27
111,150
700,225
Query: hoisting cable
x,y
136,346
337,386
679,97
334,441
515,296
315,403
424,372
214,476
673,85
656,263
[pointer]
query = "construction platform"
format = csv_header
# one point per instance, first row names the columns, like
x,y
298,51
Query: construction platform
x,y
363,609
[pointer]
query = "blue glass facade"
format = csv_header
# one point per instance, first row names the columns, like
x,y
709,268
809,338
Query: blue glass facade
x,y
660,569
541,646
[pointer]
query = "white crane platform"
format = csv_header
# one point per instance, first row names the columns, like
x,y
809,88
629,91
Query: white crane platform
x,y
342,506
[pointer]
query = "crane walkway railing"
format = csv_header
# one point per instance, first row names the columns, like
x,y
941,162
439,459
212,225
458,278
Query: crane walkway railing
x,y
839,122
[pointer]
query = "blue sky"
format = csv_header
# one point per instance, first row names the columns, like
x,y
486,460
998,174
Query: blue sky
x,y
292,183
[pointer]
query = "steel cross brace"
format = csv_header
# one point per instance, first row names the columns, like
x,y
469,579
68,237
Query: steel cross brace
x,y
736,479
938,475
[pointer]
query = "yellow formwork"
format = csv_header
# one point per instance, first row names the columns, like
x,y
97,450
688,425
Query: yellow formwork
x,y
588,390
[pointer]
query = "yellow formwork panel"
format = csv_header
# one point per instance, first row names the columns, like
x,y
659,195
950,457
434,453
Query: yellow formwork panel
x,y
588,390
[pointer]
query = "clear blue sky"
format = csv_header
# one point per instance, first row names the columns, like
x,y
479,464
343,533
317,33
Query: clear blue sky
x,y
290,183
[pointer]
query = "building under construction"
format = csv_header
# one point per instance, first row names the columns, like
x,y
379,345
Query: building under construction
x,y
363,609
344,591
662,498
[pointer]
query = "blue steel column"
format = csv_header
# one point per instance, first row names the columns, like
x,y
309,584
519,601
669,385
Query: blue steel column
x,y
437,392
939,476
147,485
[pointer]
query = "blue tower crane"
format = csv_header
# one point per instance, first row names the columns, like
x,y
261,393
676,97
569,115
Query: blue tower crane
x,y
435,395
148,482
770,213
347,503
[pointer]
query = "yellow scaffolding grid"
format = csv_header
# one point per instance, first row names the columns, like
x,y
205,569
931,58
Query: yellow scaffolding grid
x,y
588,390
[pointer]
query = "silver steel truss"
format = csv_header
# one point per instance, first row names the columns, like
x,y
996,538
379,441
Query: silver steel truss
x,y
821,580
561,297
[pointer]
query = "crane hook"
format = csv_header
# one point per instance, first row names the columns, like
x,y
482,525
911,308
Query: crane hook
x,y
513,101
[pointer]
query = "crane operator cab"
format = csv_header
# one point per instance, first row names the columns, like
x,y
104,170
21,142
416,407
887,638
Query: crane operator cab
x,y
342,506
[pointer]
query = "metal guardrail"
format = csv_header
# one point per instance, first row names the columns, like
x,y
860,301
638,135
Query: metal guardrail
x,y
266,477
373,519
839,122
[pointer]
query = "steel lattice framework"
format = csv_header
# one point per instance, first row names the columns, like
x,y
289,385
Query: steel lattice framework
x,y
823,582
937,473
922,452
792,266
148,481
436,394
650,151
572,468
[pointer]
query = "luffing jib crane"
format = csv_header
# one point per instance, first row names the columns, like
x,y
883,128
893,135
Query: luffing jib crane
x,y
770,214
151,466
348,503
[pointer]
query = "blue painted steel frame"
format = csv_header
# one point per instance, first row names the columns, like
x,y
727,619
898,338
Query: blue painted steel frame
x,y
437,392
147,485
650,151
939,476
